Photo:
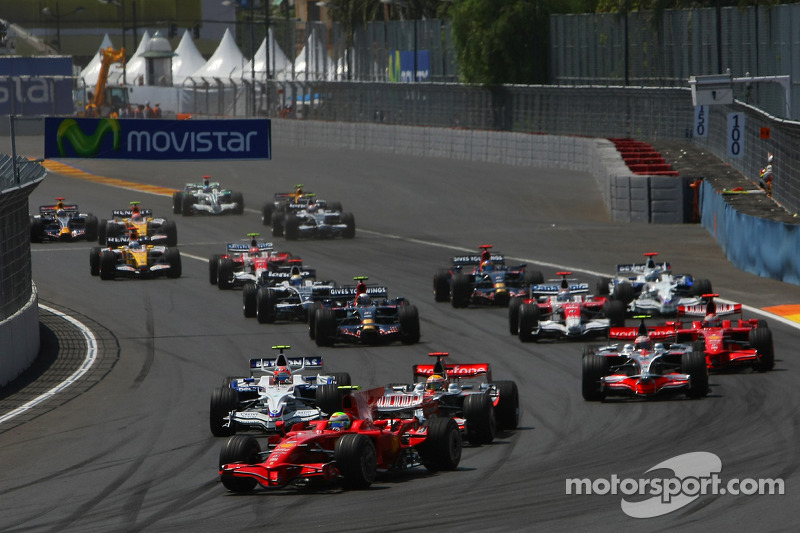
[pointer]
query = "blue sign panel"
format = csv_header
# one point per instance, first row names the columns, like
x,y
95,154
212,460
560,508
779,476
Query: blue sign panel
x,y
157,139
35,85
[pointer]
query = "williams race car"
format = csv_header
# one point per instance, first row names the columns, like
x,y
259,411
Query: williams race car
x,y
290,201
63,222
158,230
276,298
312,219
207,197
132,256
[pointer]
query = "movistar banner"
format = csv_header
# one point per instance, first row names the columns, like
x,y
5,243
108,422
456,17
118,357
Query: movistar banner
x,y
161,139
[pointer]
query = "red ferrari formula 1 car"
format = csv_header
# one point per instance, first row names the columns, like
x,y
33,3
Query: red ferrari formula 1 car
x,y
726,343
353,446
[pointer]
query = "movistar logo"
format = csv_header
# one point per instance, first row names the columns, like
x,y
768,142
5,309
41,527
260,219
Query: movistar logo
x,y
87,145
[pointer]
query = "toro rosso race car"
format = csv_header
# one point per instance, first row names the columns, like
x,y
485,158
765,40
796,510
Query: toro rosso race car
x,y
363,314
482,279
207,197
652,288
63,222
276,298
727,343
352,447
275,396
643,366
465,392
562,309
313,219
132,257
158,230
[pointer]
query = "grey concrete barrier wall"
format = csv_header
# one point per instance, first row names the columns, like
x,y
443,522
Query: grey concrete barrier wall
x,y
19,340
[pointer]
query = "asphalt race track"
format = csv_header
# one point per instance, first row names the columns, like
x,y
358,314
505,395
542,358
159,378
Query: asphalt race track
x,y
128,447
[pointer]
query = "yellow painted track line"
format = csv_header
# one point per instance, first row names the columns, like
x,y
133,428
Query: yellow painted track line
x,y
74,172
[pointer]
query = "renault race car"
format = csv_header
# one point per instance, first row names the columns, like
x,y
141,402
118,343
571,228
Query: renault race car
x,y
278,298
276,395
562,309
465,392
727,343
158,230
63,222
482,279
352,447
133,257
207,198
363,314
643,366
312,219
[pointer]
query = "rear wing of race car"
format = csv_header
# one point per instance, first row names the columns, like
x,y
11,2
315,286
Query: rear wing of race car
x,y
475,259
631,332
552,289
268,364
284,273
709,308
350,291
456,371
71,209
640,268
245,247
128,213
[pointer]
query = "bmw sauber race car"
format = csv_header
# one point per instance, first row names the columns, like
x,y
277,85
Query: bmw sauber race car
x,y
208,198
275,396
132,257
312,219
290,201
482,279
362,314
643,366
651,287
283,296
63,222
726,343
158,230
351,447
465,392
559,310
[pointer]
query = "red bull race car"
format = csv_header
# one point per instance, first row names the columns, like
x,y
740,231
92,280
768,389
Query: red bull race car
x,y
63,222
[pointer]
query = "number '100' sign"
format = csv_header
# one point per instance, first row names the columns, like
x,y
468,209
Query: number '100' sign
x,y
735,135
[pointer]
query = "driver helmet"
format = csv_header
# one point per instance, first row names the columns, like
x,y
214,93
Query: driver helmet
x,y
435,382
296,280
60,213
712,320
254,251
363,299
486,266
643,342
339,421
136,217
282,375
563,295
206,183
312,206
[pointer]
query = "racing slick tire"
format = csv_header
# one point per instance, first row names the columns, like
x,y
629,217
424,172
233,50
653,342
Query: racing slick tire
x,y
595,367
701,287
513,314
694,364
312,316
266,213
532,277
342,379
601,289
614,310
171,230
624,292
441,285
409,324
37,229
213,268
173,258
94,260
329,398
108,265
441,450
480,416
265,306
291,228
238,199
460,290
350,225
239,449
249,299
177,202
102,231
507,408
335,206
356,460
91,228
188,205
528,321
223,401
761,339
325,327
277,224
225,273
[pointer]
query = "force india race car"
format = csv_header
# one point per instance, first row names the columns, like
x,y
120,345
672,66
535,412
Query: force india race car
x,y
275,396
312,219
280,296
726,343
158,230
207,197
652,288
465,392
363,314
482,279
131,257
351,447
644,366
63,222
560,310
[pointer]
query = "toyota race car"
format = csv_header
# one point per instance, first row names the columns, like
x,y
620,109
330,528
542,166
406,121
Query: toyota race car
x,y
246,263
62,222
158,230
207,197
132,257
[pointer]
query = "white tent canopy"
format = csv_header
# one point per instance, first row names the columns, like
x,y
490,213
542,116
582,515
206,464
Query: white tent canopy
x,y
226,62
134,69
313,61
91,72
187,60
279,64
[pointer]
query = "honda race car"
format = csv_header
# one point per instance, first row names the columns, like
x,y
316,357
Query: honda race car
x,y
158,230
559,310
312,219
275,396
208,198
280,296
482,279
352,447
465,392
62,222
132,257
362,314
643,366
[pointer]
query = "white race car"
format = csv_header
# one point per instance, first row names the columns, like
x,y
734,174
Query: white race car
x,y
207,197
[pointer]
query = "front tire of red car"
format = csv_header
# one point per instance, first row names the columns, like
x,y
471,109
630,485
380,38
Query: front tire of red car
x,y
239,449
356,460
694,364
